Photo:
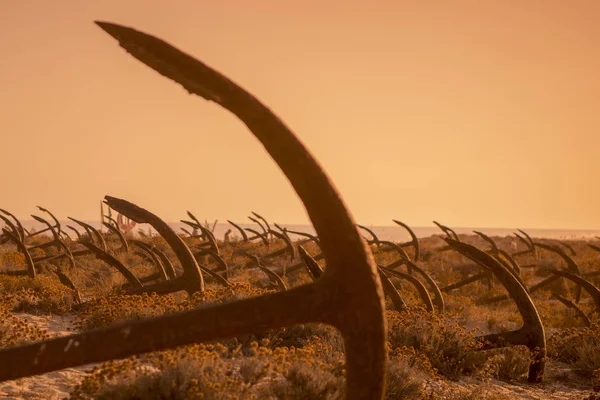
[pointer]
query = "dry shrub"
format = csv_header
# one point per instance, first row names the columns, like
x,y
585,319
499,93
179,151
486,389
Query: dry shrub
x,y
478,393
579,347
407,371
42,294
12,260
15,331
451,349
216,372
435,344
117,308
508,363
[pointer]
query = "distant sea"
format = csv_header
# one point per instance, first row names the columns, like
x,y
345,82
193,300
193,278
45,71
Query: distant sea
x,y
392,233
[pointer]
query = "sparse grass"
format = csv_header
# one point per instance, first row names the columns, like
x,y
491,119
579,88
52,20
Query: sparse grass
x,y
15,331
579,347
305,361
42,294
451,349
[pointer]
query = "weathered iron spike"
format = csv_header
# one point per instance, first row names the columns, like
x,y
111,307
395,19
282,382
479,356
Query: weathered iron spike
x,y
56,221
217,257
191,270
220,280
153,257
415,240
448,231
421,289
594,247
439,298
568,247
393,247
66,236
273,277
258,235
288,244
55,234
510,260
303,234
263,220
256,221
532,333
66,281
375,239
11,226
571,264
196,220
389,290
239,228
589,287
523,240
112,220
21,229
167,264
76,232
529,239
211,239
466,281
312,267
113,262
488,239
94,233
124,245
568,303
21,246
349,295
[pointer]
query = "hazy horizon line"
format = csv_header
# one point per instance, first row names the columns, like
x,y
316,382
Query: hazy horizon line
x,y
455,227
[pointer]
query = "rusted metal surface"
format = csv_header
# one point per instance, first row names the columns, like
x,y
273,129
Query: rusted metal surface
x,y
438,300
391,246
572,266
262,227
191,270
532,334
160,269
374,237
240,230
113,262
273,277
263,220
57,227
569,304
567,246
312,267
21,230
76,232
449,232
389,290
473,278
313,238
588,286
124,244
222,265
289,246
258,235
13,237
414,239
92,232
348,296
421,289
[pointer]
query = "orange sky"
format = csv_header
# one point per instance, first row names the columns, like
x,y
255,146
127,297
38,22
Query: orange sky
x,y
473,113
